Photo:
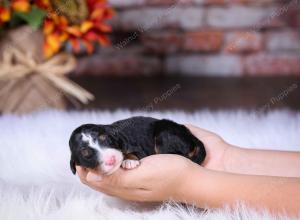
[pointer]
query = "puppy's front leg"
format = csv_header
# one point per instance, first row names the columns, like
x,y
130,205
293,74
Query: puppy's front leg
x,y
131,161
130,164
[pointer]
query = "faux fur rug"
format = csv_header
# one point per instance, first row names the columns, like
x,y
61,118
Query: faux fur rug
x,y
37,184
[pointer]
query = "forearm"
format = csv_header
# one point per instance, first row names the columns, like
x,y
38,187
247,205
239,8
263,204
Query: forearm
x,y
262,162
215,189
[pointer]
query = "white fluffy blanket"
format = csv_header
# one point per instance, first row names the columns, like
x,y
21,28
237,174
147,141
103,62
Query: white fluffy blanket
x,y
36,182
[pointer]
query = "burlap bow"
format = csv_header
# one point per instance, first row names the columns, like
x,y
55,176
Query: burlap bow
x,y
16,64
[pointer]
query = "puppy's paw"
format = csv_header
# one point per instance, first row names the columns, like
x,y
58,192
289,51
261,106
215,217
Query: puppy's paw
x,y
130,164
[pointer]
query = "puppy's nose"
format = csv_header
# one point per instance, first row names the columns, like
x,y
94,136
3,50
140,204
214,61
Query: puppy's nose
x,y
111,160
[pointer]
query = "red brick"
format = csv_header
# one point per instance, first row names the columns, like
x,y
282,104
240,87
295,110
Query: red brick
x,y
243,17
283,41
273,64
203,41
292,16
149,19
193,35
213,2
232,2
118,65
167,2
126,3
253,2
294,19
161,43
243,42
209,2
171,42
135,3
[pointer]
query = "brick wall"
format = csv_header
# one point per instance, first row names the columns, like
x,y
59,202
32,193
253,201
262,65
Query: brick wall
x,y
200,37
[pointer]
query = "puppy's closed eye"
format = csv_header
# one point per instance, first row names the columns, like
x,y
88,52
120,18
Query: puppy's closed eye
x,y
86,152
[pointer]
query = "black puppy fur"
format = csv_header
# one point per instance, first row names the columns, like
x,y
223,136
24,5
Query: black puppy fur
x,y
137,137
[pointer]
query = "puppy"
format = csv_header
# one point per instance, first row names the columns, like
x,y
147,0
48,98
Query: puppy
x,y
125,142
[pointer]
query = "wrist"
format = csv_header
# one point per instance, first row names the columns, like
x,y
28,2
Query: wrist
x,y
218,156
233,159
192,189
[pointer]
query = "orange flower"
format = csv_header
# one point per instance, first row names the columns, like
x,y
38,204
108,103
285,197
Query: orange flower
x,y
58,30
52,45
20,5
4,15
43,4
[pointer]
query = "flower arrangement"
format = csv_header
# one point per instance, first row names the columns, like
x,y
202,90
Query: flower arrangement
x,y
74,22
33,64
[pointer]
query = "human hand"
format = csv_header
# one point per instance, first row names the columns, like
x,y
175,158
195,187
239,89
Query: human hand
x,y
172,177
159,177
216,148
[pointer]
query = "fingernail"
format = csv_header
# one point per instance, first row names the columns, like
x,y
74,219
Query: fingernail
x,y
91,177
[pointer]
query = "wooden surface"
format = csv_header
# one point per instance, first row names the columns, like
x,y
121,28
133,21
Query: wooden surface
x,y
260,93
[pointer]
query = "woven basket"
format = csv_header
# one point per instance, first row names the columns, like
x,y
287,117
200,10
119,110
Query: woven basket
x,y
40,88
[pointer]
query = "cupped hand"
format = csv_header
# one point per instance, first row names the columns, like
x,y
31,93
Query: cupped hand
x,y
158,178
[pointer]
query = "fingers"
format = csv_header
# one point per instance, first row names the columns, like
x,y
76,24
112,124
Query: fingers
x,y
123,178
194,128
130,179
93,179
122,183
89,178
199,132
139,195
93,176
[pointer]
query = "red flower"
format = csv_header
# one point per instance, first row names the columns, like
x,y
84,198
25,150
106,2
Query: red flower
x,y
58,30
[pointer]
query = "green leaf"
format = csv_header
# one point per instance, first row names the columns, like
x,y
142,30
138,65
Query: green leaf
x,y
34,18
15,21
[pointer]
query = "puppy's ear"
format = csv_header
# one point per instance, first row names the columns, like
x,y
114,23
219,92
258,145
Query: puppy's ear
x,y
72,164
